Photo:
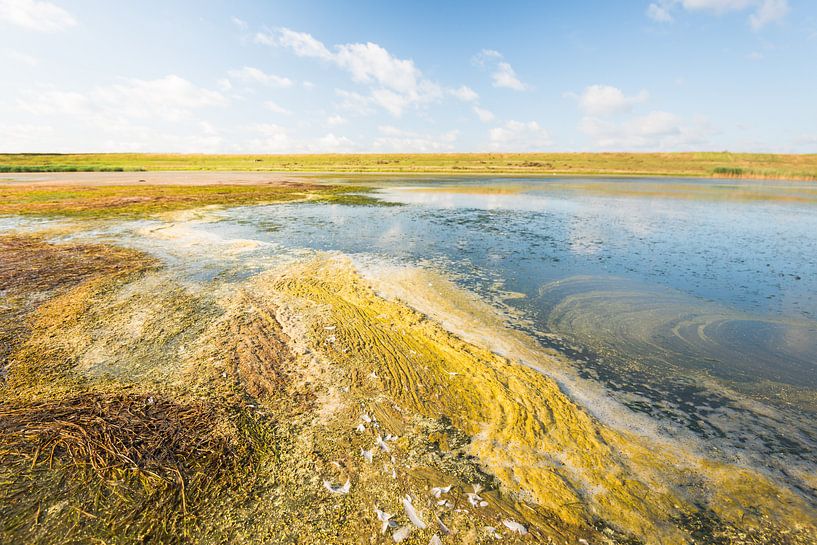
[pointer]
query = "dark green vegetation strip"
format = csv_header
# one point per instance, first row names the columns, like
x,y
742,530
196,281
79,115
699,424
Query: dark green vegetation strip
x,y
705,164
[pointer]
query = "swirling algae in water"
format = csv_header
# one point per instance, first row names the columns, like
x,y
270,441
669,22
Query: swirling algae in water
x,y
746,380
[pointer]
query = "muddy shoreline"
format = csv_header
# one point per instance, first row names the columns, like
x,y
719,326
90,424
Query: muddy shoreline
x,y
308,380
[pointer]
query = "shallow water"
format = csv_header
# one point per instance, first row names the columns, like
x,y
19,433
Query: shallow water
x,y
694,302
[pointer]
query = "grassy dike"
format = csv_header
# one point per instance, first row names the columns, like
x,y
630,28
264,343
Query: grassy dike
x,y
709,164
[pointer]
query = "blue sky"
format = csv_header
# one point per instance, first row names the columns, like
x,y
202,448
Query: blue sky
x,y
411,76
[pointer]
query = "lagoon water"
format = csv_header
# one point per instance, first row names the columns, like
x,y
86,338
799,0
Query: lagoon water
x,y
691,302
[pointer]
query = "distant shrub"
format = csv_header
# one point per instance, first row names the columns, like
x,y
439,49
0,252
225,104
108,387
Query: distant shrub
x,y
729,171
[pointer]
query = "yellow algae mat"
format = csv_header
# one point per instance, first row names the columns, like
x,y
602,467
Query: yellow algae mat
x,y
300,406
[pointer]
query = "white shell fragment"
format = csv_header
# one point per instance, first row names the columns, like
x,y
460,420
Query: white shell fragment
x,y
438,491
443,528
435,540
401,533
385,519
514,526
360,428
474,498
382,444
367,455
366,418
337,489
412,514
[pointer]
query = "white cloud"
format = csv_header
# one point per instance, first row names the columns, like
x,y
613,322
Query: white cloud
x,y
240,23
272,138
56,102
764,11
354,103
36,15
661,11
606,123
251,74
485,56
465,93
396,102
276,108
371,63
394,84
333,143
20,57
717,6
519,136
655,130
265,38
486,116
335,120
399,140
24,138
302,43
602,100
119,136
769,11
503,74
170,98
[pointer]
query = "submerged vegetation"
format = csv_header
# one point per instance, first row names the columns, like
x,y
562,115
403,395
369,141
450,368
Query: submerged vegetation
x,y
298,405
702,164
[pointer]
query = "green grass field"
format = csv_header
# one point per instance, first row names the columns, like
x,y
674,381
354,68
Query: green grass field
x,y
710,164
